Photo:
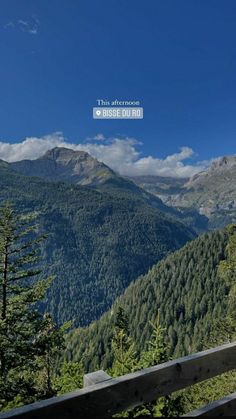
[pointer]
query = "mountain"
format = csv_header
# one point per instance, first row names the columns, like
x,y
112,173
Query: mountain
x,y
99,240
62,164
78,167
161,186
67,165
212,192
184,286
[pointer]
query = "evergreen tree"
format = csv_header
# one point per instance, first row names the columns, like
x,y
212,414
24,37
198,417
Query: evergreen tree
x,y
227,267
52,342
126,360
70,377
21,325
157,353
225,330
123,347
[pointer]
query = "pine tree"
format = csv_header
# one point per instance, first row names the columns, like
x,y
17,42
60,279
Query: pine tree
x,y
225,330
227,267
126,360
157,353
52,341
70,377
123,347
21,325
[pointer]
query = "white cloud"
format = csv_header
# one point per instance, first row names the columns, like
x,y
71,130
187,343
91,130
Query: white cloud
x,y
30,26
99,137
120,154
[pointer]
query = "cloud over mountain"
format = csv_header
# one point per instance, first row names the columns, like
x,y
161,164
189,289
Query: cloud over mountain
x,y
121,154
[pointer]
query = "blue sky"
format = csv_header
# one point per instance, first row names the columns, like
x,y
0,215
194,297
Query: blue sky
x,y
177,57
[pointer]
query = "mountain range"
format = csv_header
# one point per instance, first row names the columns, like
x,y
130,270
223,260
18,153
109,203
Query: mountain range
x,y
99,239
78,167
211,192
105,230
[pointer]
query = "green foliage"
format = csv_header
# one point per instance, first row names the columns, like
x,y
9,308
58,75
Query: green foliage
x,y
223,331
53,343
16,402
126,360
69,378
227,267
99,240
187,290
157,351
28,340
222,326
123,347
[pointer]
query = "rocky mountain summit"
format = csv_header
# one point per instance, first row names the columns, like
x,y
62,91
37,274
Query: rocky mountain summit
x,y
211,192
80,168
65,164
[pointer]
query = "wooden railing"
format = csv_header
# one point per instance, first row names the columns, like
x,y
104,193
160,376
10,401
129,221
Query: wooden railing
x,y
103,396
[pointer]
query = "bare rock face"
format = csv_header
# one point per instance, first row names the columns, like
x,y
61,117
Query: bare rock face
x,y
66,165
211,192
219,168
225,163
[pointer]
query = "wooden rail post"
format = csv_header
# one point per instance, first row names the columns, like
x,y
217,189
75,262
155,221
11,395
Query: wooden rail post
x,y
95,378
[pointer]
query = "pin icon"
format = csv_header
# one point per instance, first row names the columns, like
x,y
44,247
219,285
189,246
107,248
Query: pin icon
x,y
98,113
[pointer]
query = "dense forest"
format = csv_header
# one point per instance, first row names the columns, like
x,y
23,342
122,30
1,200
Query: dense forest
x,y
187,290
98,242
183,304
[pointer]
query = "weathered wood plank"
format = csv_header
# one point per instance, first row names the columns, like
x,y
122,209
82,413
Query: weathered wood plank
x,y
223,407
114,395
95,378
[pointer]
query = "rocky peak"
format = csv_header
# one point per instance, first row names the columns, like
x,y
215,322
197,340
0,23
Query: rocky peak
x,y
64,164
62,154
224,163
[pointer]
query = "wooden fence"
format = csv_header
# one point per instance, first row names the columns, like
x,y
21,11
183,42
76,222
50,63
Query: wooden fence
x,y
103,396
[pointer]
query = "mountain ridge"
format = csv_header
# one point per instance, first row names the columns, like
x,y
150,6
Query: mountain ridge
x,y
97,242
61,163
211,193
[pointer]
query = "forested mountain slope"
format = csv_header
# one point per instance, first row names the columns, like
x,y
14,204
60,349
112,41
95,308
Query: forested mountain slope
x,y
99,241
78,167
185,287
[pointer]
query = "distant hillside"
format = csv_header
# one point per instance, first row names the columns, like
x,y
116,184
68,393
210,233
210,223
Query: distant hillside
x,y
67,165
211,192
78,167
160,185
99,241
184,286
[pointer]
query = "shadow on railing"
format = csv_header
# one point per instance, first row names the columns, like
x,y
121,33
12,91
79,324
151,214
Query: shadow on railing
x,y
103,396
